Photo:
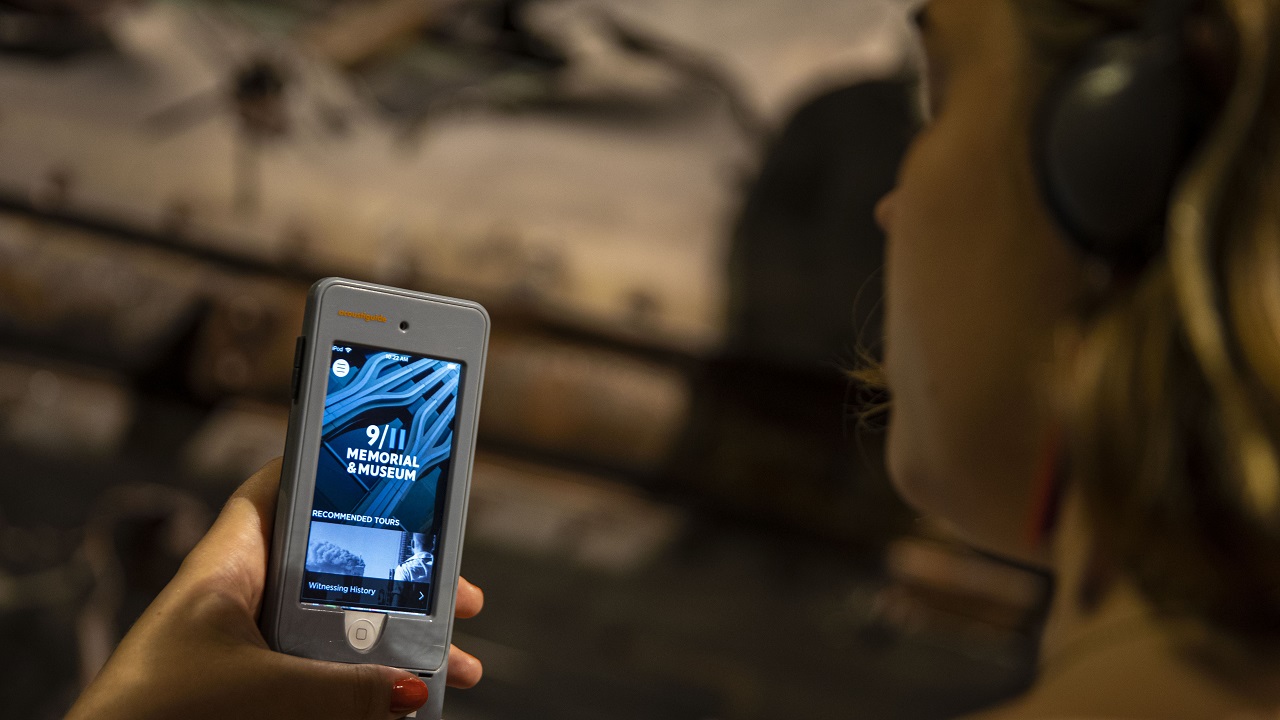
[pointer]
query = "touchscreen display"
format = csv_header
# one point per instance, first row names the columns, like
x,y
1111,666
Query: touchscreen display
x,y
385,451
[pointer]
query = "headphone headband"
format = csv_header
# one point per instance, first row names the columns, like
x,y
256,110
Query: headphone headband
x,y
1167,16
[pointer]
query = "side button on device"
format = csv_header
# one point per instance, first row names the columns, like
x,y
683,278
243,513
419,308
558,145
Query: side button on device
x,y
297,366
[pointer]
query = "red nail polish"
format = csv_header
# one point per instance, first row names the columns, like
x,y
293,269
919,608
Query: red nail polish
x,y
408,695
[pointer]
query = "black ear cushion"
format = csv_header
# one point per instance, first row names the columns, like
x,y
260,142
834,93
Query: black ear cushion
x,y
1112,137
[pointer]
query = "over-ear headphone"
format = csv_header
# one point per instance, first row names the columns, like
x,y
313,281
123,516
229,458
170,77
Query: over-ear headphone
x,y
1115,132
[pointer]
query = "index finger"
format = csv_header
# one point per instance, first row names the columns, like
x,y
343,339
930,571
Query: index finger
x,y
233,554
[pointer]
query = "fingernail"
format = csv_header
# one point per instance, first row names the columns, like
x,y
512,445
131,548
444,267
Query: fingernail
x,y
408,694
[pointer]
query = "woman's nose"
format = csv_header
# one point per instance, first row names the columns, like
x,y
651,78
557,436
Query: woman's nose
x,y
885,211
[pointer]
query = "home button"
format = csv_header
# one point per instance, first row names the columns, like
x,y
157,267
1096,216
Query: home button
x,y
363,629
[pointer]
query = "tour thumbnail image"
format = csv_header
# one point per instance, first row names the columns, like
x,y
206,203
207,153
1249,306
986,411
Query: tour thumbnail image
x,y
353,550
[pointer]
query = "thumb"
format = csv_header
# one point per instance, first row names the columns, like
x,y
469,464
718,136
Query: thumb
x,y
336,691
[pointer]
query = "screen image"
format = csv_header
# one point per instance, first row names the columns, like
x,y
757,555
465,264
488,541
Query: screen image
x,y
386,447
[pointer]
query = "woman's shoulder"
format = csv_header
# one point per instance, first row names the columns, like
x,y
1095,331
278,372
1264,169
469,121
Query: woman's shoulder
x,y
1017,713
1028,709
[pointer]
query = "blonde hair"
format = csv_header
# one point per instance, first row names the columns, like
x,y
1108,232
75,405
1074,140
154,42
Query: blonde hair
x,y
1174,409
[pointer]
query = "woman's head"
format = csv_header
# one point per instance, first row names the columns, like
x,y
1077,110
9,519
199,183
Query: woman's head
x,y
977,282
1170,406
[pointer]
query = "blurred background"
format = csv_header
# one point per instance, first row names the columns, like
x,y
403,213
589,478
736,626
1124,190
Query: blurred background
x,y
678,510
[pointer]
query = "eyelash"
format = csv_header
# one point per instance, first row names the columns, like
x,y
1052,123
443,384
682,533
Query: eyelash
x,y
923,103
928,97
932,93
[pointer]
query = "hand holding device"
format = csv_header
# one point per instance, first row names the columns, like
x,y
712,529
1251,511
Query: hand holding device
x,y
196,652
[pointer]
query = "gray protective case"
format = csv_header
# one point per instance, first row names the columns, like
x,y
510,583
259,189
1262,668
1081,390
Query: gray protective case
x,y
440,327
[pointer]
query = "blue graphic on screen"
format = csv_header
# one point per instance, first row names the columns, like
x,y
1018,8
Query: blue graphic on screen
x,y
386,447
